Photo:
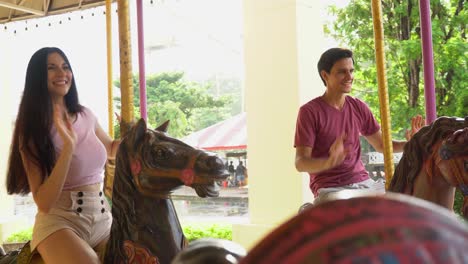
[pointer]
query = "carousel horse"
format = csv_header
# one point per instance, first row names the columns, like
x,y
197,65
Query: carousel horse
x,y
149,166
362,228
435,163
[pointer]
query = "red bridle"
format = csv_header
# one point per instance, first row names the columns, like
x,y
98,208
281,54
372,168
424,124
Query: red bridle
x,y
186,175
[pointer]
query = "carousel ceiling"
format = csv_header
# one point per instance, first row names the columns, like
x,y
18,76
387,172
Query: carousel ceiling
x,y
14,10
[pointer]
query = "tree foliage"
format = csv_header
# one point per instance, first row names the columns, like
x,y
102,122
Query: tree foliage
x,y
404,69
189,106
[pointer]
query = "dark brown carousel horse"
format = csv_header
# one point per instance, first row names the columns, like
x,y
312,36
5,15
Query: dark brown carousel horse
x,y
435,163
149,166
366,229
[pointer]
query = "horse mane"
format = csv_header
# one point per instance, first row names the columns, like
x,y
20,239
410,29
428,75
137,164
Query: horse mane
x,y
122,204
420,148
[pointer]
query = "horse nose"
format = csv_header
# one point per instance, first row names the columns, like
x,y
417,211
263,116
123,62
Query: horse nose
x,y
211,161
215,162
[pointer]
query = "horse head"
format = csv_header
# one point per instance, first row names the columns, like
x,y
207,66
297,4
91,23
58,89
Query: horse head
x,y
453,162
159,163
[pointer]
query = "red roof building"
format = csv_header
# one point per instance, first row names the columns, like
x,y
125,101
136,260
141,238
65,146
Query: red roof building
x,y
229,134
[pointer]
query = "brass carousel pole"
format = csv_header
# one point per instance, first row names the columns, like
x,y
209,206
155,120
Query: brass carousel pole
x,y
126,74
383,90
125,81
110,95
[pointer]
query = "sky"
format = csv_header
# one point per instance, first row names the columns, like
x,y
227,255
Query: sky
x,y
203,38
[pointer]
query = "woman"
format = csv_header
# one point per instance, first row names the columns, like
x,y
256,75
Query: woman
x,y
58,153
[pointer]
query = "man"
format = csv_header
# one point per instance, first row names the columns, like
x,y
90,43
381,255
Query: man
x,y
240,174
328,129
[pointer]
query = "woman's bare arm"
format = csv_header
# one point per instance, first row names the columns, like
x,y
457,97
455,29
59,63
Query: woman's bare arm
x,y
46,193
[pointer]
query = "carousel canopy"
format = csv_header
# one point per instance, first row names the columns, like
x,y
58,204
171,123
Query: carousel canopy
x,y
14,10
229,134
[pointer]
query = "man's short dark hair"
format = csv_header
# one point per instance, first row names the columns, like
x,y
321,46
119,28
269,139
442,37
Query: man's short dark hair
x,y
330,57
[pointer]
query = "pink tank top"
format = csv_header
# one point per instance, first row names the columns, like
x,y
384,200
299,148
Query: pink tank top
x,y
89,157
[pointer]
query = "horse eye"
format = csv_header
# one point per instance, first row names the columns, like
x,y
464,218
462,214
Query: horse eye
x,y
159,154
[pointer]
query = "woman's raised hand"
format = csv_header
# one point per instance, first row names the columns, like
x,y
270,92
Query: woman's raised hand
x,y
62,122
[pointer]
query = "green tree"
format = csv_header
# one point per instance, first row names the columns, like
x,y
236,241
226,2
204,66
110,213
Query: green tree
x,y
189,106
230,87
205,117
354,29
159,112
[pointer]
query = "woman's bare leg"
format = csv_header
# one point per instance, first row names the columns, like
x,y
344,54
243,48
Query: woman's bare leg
x,y
64,246
100,249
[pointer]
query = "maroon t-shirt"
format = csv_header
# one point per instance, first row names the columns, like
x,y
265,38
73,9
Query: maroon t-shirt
x,y
319,124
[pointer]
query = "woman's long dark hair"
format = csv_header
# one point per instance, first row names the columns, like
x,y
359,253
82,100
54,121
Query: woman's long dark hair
x,y
34,122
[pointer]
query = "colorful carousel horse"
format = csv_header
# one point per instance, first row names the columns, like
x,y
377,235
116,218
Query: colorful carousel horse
x,y
363,228
435,163
149,166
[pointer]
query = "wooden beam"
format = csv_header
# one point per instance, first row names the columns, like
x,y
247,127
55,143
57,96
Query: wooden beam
x,y
46,6
12,10
22,8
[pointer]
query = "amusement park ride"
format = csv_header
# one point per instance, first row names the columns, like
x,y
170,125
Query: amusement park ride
x,y
349,228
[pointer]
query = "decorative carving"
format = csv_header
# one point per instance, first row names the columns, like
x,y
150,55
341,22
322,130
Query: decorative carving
x,y
137,254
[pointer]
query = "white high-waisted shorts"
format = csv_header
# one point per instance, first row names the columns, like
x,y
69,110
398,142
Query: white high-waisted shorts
x,y
85,213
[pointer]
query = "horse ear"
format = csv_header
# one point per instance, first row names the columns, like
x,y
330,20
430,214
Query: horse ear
x,y
139,132
163,127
